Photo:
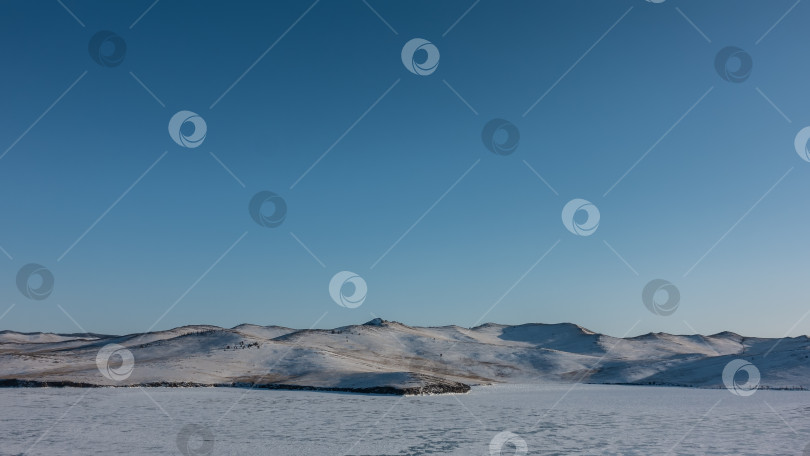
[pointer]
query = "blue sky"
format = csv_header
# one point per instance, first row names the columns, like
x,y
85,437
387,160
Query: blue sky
x,y
716,206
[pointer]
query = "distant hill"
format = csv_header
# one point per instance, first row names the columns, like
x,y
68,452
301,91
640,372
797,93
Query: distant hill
x,y
389,357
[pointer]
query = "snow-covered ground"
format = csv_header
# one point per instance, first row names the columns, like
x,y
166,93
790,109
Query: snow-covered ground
x,y
551,420
390,354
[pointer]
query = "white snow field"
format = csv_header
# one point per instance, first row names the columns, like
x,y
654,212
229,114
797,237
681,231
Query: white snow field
x,y
590,419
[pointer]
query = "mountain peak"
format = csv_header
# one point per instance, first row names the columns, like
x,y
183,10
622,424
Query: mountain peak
x,y
375,322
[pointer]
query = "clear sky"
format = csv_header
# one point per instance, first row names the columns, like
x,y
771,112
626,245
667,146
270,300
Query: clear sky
x,y
405,193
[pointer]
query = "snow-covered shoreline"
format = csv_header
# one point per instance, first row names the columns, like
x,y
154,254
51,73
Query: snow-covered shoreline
x,y
423,390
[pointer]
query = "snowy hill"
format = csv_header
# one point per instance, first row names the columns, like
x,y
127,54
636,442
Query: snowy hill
x,y
384,356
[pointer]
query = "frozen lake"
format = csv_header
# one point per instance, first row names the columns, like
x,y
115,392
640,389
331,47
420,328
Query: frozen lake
x,y
551,420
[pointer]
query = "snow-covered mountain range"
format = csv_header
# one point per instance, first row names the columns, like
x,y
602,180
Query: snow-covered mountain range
x,y
389,357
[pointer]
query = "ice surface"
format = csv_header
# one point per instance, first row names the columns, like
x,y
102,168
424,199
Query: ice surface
x,y
588,419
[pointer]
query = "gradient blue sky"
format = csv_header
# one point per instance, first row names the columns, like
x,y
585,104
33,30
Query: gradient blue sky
x,y
481,238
